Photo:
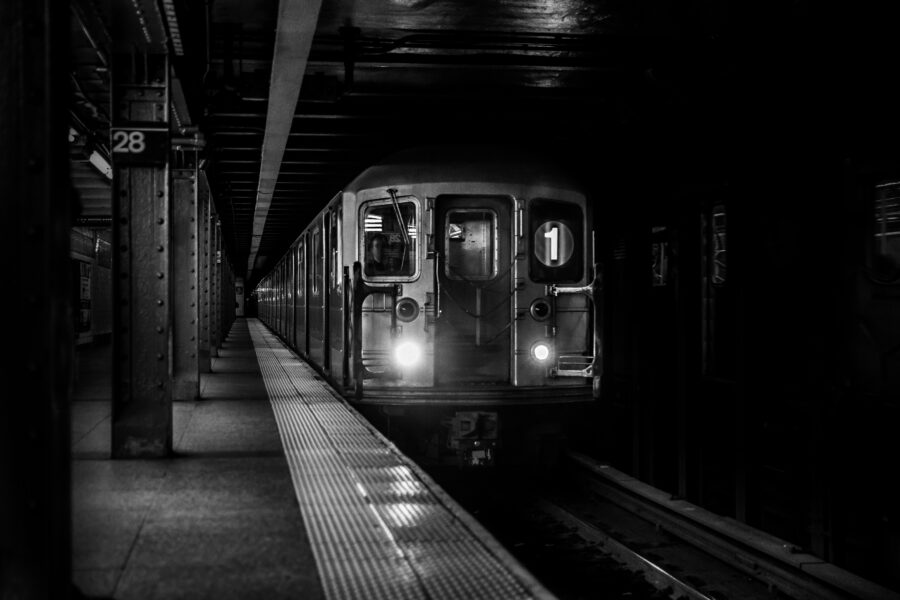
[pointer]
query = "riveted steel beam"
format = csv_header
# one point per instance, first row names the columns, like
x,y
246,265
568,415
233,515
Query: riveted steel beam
x,y
36,212
185,283
215,254
142,217
204,201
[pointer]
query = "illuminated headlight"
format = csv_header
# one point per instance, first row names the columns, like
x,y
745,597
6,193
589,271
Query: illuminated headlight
x,y
540,351
407,354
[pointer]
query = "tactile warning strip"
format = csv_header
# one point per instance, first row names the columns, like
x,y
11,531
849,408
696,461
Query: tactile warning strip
x,y
378,525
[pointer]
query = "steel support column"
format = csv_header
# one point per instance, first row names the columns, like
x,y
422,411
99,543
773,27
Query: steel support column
x,y
227,297
185,354
204,201
142,217
214,282
36,212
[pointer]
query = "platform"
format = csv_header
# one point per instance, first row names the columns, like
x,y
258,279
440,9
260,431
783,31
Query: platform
x,y
278,489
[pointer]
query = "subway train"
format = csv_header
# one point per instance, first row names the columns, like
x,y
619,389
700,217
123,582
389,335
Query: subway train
x,y
451,295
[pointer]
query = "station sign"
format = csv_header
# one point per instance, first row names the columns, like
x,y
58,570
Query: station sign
x,y
139,144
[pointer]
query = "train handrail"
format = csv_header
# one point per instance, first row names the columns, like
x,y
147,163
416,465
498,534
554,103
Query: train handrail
x,y
594,292
360,291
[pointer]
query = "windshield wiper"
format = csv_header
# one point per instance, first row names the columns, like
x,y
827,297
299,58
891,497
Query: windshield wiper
x,y
403,230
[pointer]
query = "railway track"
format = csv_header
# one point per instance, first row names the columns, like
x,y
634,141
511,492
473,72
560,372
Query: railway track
x,y
589,531
719,557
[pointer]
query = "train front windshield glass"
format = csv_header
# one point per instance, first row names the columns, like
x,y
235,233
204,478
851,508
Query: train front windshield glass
x,y
389,237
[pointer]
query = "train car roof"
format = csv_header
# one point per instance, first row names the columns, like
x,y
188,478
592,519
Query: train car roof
x,y
428,164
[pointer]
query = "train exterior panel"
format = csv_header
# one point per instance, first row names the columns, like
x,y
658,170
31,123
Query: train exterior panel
x,y
455,283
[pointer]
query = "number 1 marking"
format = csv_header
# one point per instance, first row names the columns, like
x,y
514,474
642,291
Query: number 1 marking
x,y
553,234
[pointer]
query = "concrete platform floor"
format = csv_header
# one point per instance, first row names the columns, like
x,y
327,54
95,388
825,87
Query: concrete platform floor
x,y
219,520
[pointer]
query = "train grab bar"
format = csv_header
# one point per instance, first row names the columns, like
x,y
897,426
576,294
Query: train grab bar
x,y
594,292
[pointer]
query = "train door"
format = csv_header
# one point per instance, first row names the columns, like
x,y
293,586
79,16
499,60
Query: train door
x,y
316,300
472,335
282,286
326,291
289,287
307,288
300,303
336,295
282,297
278,302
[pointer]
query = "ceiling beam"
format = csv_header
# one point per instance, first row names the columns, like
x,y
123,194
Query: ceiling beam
x,y
297,20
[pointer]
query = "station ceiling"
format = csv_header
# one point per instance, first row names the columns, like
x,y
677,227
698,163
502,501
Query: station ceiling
x,y
383,75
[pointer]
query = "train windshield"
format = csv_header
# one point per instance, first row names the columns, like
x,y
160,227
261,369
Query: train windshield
x,y
389,239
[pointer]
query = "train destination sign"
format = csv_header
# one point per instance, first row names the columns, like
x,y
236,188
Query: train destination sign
x,y
554,243
139,144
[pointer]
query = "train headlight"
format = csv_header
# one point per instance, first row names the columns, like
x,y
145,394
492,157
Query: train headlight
x,y
408,354
540,351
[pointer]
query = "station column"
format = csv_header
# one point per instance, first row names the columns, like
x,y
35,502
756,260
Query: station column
x,y
185,281
215,276
204,201
142,236
36,211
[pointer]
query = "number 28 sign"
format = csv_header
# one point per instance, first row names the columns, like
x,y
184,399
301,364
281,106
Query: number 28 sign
x,y
139,145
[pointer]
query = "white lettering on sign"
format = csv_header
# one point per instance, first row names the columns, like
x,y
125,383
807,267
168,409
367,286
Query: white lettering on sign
x,y
554,244
130,142
139,144
553,236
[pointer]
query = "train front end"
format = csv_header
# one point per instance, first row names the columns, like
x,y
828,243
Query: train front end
x,y
473,312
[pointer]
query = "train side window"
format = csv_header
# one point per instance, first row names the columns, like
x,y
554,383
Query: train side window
x,y
301,271
316,261
389,239
470,244
557,241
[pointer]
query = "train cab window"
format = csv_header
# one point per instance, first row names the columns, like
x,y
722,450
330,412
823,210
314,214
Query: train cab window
x,y
389,239
470,244
557,241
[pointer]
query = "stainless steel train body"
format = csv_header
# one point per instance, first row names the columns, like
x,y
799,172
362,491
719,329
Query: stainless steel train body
x,y
445,280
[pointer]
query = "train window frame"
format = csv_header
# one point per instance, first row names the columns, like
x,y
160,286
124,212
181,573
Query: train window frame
x,y
495,234
573,271
361,238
